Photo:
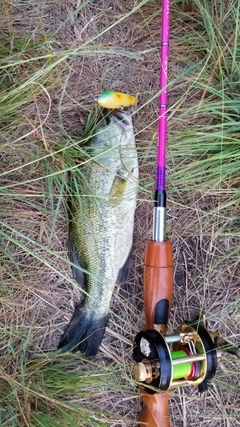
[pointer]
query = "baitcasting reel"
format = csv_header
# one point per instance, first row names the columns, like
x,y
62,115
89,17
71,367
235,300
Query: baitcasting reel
x,y
188,356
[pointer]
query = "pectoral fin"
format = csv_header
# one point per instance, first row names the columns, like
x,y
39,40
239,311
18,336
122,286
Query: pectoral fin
x,y
117,190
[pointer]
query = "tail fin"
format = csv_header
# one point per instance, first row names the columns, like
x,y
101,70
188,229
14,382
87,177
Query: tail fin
x,y
84,332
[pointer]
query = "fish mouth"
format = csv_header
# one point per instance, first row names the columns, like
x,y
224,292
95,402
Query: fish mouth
x,y
122,118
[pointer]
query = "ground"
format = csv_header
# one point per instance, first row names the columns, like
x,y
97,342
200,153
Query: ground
x,y
83,49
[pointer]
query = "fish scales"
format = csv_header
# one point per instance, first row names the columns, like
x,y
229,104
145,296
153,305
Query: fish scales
x,y
101,228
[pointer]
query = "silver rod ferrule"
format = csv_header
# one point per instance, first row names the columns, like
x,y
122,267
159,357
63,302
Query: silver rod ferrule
x,y
159,224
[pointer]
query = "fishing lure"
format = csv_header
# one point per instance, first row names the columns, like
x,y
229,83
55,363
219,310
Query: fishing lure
x,y
115,100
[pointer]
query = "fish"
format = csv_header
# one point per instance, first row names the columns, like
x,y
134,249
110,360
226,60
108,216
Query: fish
x,y
101,223
116,100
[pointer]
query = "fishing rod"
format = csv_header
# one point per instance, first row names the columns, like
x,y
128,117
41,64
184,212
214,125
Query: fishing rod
x,y
158,263
189,355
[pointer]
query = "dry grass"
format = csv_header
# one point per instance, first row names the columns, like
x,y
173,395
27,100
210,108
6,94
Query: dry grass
x,y
37,291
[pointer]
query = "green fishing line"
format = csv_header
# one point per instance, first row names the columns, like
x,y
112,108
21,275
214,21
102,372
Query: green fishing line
x,y
183,370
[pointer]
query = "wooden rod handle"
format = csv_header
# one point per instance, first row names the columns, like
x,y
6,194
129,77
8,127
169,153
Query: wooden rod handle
x,y
157,278
155,413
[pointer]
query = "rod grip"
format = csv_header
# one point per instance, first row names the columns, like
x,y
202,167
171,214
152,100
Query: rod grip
x,y
155,413
157,292
157,280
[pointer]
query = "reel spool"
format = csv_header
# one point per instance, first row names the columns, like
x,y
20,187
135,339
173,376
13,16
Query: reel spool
x,y
168,361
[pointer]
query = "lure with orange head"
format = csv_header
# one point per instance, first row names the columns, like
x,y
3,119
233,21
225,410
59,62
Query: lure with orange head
x,y
189,355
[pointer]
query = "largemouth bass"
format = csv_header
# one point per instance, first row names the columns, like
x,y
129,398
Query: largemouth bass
x,y
101,228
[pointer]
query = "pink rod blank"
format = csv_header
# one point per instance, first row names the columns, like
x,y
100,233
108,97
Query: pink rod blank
x,y
163,99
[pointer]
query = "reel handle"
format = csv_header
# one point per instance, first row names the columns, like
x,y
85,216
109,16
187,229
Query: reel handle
x,y
155,413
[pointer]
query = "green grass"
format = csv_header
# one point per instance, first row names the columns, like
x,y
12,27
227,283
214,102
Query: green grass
x,y
41,390
42,86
